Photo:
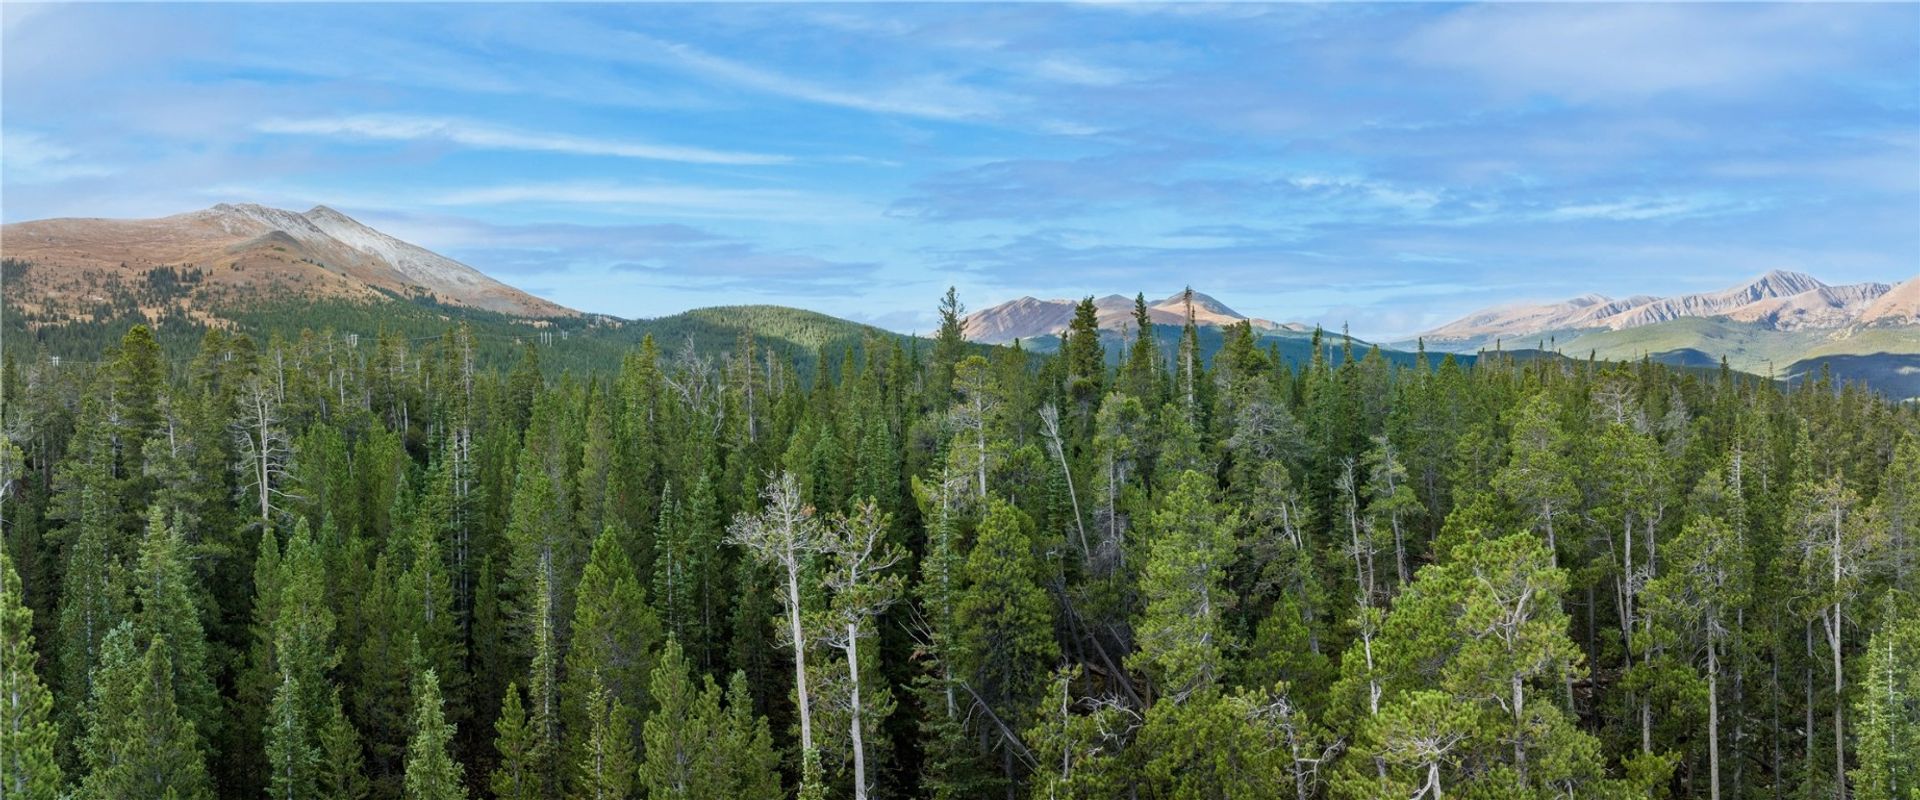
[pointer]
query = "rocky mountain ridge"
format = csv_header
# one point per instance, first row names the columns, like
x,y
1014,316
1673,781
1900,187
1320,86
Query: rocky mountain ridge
x,y
1776,300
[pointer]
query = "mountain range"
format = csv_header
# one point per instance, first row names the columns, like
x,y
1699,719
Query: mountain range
x,y
229,264
1777,301
1032,318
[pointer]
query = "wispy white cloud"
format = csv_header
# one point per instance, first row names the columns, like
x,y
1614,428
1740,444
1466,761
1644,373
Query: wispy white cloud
x,y
663,199
928,96
1066,69
1642,209
468,133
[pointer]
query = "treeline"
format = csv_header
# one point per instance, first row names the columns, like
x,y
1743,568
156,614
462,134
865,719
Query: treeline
x,y
302,571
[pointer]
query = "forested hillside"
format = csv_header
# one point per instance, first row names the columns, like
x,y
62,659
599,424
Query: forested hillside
x,y
579,343
287,569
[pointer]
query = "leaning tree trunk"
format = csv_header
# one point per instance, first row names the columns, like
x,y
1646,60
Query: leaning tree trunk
x,y
799,653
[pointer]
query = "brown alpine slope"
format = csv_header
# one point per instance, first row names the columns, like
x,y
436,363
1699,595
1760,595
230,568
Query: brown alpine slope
x,y
1901,306
230,256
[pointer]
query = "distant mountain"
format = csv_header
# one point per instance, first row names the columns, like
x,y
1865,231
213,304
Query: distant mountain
x,y
1030,318
1778,300
205,265
1900,306
1785,325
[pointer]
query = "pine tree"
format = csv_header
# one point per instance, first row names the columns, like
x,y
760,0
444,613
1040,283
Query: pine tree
x,y
167,612
425,592
1121,430
28,733
292,758
1392,504
747,763
517,773
674,746
1887,707
541,540
1539,476
431,773
605,769
1833,548
1468,665
543,715
614,635
94,599
305,708
596,465
706,533
381,673
1707,580
342,770
1143,357
1897,511
1085,360
1189,373
262,678
1080,743
138,743
1003,623
1183,639
698,750
674,586
1238,746
949,345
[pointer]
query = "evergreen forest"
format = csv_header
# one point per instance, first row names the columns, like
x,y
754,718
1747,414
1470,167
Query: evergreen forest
x,y
286,567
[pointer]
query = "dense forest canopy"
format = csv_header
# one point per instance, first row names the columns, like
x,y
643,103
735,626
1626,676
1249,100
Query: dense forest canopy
x,y
903,569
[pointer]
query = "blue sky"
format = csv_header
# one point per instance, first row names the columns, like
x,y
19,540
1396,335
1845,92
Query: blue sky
x,y
1388,166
